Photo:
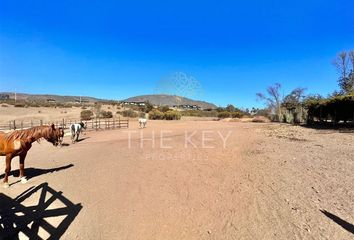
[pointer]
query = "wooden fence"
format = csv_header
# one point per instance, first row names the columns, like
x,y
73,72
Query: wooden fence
x,y
92,125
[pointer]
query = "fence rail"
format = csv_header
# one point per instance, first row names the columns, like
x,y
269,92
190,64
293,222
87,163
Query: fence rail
x,y
92,125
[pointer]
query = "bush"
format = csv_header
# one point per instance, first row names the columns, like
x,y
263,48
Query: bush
x,y
86,115
172,115
141,115
20,105
260,119
224,114
236,115
199,113
106,114
155,114
336,108
164,108
129,113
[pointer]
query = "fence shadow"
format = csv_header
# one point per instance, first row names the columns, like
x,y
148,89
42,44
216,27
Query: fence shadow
x,y
344,224
18,219
35,172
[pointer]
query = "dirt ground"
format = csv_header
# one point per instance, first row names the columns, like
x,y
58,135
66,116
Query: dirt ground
x,y
194,180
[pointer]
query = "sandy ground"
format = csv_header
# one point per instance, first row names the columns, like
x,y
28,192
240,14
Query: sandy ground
x,y
265,181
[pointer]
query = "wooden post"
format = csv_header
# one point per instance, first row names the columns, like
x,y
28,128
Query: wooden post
x,y
41,122
9,125
14,125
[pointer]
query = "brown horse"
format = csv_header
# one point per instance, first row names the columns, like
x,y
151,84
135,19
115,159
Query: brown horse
x,y
60,133
18,142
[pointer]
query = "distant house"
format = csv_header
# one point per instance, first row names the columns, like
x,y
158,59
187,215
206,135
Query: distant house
x,y
4,96
134,103
187,106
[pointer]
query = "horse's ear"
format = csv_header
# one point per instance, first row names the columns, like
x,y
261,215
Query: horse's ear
x,y
53,126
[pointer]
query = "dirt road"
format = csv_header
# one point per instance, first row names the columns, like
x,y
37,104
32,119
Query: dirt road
x,y
194,180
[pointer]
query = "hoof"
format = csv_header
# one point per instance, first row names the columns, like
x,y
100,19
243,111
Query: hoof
x,y
23,180
6,185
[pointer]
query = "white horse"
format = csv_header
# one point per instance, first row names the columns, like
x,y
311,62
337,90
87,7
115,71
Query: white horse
x,y
76,129
142,122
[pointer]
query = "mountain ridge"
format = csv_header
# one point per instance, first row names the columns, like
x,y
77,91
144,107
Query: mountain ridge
x,y
155,99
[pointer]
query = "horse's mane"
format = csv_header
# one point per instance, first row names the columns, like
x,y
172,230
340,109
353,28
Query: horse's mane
x,y
34,132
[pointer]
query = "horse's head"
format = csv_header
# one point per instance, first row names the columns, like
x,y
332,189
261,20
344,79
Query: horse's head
x,y
60,134
83,125
53,134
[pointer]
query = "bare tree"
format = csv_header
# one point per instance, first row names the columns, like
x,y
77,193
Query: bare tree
x,y
351,58
273,99
346,79
341,63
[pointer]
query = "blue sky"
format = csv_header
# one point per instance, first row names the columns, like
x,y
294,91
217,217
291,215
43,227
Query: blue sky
x,y
113,49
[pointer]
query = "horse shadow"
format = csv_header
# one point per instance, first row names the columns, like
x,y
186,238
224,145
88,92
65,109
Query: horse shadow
x,y
82,139
35,172
344,224
18,220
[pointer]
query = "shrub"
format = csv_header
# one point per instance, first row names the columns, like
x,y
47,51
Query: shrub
x,y
224,114
199,113
164,108
141,115
172,115
129,113
106,114
260,119
20,105
336,108
86,115
236,115
155,114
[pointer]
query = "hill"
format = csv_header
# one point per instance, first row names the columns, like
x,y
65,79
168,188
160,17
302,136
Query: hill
x,y
45,97
170,100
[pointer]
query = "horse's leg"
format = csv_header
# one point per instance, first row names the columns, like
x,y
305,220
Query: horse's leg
x,y
77,136
73,137
7,170
22,167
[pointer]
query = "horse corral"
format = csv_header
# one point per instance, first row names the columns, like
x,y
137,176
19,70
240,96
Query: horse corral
x,y
182,180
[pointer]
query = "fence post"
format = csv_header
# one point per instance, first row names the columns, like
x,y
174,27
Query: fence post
x,y
128,123
41,122
14,124
9,125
